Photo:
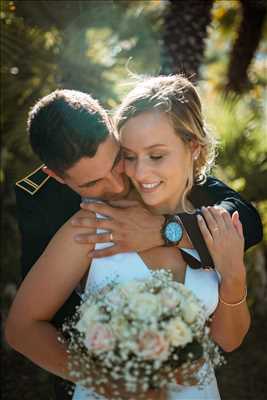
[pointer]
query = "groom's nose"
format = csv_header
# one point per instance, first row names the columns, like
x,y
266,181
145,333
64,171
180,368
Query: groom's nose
x,y
119,167
116,180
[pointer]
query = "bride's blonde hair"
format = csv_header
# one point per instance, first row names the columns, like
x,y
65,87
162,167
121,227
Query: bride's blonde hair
x,y
178,98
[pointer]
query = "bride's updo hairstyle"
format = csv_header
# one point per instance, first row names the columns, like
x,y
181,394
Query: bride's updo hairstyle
x,y
178,98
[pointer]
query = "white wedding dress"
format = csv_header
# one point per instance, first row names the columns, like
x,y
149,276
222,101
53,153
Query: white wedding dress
x,y
127,266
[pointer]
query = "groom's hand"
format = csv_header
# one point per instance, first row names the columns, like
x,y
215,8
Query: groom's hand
x,y
133,227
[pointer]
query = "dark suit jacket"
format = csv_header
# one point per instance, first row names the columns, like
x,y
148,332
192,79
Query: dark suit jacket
x,y
43,205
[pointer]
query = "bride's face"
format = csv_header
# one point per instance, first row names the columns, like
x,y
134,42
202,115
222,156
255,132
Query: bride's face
x,y
156,159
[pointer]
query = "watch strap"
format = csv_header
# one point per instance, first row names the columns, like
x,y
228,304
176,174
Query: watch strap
x,y
190,260
191,226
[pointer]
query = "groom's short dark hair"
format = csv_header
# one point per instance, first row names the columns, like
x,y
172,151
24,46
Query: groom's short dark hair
x,y
65,126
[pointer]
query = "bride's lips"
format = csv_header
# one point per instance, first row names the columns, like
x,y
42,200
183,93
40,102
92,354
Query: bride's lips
x,y
149,187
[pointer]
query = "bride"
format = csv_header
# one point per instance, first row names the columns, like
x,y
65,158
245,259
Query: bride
x,y
166,148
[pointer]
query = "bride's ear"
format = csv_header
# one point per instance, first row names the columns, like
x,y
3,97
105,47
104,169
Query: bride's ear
x,y
52,174
195,149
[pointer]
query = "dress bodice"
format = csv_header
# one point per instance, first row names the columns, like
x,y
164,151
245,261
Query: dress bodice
x,y
127,266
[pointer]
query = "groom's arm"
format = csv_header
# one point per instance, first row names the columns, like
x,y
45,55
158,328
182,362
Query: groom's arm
x,y
215,192
134,228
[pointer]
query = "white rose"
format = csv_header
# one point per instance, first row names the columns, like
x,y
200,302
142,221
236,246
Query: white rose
x,y
178,333
190,311
89,316
145,306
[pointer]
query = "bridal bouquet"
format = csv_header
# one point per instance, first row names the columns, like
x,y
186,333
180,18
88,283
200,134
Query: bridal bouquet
x,y
138,334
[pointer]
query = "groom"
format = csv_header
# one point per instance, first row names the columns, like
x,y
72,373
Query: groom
x,y
74,137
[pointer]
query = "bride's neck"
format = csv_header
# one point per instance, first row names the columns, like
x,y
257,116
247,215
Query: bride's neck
x,y
160,210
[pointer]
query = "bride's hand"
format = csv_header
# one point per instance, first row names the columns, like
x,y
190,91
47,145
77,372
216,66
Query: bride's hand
x,y
223,235
188,376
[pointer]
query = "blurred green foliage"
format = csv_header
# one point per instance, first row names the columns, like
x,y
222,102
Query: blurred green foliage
x,y
240,122
94,46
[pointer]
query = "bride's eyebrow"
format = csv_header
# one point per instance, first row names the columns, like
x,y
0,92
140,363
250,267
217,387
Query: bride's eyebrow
x,y
152,147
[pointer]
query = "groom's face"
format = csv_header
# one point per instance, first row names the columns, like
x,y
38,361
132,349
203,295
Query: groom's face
x,y
101,176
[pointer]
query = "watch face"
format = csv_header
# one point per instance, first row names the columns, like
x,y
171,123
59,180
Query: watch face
x,y
173,232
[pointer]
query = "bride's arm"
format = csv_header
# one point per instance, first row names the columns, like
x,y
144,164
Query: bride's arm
x,y
224,238
44,290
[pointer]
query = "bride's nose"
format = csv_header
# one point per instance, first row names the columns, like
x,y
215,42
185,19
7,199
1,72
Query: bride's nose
x,y
140,171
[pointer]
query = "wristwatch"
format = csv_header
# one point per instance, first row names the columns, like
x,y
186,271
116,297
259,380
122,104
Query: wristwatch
x,y
172,230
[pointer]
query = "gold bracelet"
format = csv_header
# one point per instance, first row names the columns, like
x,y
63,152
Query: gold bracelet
x,y
235,304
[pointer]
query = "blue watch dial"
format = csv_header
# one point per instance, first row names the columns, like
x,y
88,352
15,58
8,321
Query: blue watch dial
x,y
173,232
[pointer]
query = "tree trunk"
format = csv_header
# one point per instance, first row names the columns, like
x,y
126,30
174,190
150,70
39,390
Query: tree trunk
x,y
184,34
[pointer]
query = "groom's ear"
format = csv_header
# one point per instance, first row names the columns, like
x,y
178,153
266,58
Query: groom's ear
x,y
52,174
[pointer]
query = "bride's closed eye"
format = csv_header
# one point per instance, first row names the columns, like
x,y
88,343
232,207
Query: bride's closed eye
x,y
130,157
156,157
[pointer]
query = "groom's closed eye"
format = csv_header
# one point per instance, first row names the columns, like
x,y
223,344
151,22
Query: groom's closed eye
x,y
89,184
118,158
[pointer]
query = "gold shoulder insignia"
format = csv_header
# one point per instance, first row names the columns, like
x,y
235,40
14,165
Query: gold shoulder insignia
x,y
34,181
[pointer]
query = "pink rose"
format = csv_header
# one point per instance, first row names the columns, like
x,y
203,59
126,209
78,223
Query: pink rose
x,y
152,345
99,338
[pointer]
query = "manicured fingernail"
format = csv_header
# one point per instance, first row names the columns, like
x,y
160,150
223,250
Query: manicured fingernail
x,y
199,217
85,205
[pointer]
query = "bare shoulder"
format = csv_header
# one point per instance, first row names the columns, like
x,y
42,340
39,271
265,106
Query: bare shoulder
x,y
68,231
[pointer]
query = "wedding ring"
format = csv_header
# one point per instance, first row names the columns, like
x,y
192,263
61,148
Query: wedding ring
x,y
110,237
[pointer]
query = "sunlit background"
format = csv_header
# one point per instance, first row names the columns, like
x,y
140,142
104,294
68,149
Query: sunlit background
x,y
95,46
